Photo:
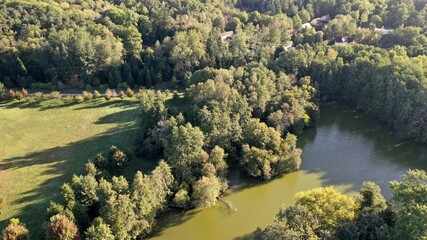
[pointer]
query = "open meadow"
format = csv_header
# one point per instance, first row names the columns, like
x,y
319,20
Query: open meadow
x,y
43,144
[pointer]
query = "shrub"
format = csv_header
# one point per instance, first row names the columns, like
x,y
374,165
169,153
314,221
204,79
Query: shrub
x,y
122,95
79,99
122,85
24,92
181,198
12,94
55,95
3,91
130,92
87,95
96,81
103,87
15,231
68,99
43,86
116,157
88,87
38,95
96,94
19,95
108,95
60,227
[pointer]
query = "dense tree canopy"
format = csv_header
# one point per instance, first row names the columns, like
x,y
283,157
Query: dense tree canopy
x,y
247,78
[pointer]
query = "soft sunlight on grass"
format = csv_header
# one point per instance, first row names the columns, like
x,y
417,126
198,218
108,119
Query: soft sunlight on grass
x,y
43,144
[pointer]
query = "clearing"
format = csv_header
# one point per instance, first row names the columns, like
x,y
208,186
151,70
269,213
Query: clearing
x,y
43,144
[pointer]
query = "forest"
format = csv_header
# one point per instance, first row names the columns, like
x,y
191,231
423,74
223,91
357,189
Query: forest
x,y
246,78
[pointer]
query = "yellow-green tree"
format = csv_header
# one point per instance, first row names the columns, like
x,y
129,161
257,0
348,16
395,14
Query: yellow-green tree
x,y
331,207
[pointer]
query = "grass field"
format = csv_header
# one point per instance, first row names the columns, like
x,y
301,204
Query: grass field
x,y
43,144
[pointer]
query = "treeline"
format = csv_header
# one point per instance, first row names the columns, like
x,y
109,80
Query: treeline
x,y
50,44
135,43
324,213
385,83
387,13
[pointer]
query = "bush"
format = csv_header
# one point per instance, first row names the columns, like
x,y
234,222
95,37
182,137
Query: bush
x,y
37,96
68,99
24,92
12,94
3,91
43,86
122,95
88,87
108,95
87,95
60,227
103,87
15,231
96,94
117,158
79,99
96,81
19,95
130,92
122,86
55,95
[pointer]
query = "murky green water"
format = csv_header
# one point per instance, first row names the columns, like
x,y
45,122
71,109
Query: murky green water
x,y
347,148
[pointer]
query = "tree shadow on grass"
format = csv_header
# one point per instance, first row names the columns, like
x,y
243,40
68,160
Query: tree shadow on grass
x,y
21,104
59,164
100,103
48,104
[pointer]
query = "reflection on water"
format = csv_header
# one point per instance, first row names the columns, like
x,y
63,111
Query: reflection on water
x,y
347,148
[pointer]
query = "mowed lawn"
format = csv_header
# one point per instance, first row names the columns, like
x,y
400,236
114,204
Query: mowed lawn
x,y
43,144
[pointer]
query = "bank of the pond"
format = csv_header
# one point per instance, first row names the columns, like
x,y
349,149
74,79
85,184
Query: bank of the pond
x,y
345,149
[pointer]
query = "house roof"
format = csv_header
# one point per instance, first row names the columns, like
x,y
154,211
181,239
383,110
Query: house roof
x,y
306,25
317,22
325,18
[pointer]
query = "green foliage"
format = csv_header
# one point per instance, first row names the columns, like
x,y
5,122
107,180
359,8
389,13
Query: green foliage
x,y
181,198
184,152
324,213
79,99
117,158
265,153
99,231
329,206
409,203
206,191
55,95
296,222
3,92
96,94
130,92
87,95
153,107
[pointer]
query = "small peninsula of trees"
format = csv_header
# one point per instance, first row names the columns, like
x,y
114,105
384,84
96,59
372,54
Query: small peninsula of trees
x,y
324,213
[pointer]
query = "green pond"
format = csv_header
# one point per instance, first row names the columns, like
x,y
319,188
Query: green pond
x,y
346,148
